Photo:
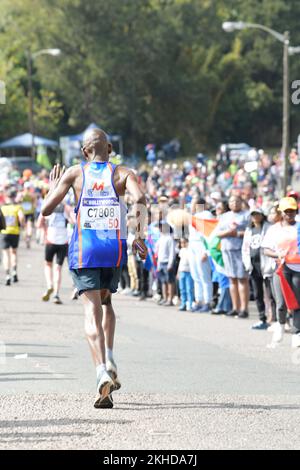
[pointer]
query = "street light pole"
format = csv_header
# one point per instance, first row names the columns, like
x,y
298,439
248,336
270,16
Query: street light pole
x,y
230,26
286,112
30,102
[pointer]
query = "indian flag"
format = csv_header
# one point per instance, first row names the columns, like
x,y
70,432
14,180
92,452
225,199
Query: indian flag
x,y
207,228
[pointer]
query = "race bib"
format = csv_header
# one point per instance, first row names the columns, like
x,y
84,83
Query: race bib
x,y
27,206
100,214
10,220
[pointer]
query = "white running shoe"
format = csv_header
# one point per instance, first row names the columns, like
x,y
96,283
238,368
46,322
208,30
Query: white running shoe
x,y
272,327
105,386
277,336
296,341
287,328
111,368
126,291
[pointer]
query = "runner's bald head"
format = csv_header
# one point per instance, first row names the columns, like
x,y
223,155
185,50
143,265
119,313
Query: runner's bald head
x,y
96,145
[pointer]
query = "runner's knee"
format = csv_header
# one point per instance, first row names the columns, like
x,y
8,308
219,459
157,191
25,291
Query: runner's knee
x,y
106,298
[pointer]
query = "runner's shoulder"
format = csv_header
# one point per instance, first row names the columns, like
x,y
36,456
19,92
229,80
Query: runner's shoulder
x,y
121,175
122,172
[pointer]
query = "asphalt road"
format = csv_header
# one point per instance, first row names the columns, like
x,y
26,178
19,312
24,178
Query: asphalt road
x,y
189,381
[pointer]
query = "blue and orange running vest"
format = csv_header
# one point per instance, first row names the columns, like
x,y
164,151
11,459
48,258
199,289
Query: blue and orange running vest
x,y
100,234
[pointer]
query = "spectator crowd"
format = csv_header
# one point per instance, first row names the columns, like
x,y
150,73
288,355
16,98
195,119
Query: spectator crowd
x,y
219,234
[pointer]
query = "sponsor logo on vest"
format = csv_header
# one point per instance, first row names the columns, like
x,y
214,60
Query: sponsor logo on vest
x,y
98,186
98,189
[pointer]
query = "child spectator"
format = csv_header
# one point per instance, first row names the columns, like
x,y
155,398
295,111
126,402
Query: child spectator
x,y
186,283
165,249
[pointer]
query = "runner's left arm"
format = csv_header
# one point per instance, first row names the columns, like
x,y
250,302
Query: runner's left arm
x,y
60,183
139,210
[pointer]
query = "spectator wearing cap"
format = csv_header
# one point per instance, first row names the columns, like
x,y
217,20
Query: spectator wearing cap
x,y
254,261
282,243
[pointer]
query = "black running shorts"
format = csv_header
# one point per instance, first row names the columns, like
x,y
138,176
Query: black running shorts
x,y
96,279
29,217
10,241
61,251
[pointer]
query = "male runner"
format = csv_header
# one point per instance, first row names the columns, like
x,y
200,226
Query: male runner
x,y
56,244
98,246
14,219
28,204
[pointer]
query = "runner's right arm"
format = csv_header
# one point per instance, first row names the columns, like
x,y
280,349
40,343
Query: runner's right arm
x,y
2,221
60,183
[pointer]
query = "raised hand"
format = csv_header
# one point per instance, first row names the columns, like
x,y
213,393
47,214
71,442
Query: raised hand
x,y
55,176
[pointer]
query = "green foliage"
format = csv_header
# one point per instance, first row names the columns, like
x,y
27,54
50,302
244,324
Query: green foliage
x,y
148,69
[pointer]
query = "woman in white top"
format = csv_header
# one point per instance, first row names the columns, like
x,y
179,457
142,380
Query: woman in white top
x,y
198,258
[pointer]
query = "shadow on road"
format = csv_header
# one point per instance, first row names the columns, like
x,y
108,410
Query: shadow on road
x,y
13,354
39,437
35,379
184,406
38,423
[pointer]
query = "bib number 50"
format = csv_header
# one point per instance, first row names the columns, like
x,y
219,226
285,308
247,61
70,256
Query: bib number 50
x,y
113,224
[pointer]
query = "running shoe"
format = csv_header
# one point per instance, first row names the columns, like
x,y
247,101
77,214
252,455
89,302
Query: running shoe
x,y
197,308
261,325
105,386
106,402
217,312
272,328
277,336
111,368
7,281
47,294
287,328
15,277
57,300
243,314
232,313
204,309
126,291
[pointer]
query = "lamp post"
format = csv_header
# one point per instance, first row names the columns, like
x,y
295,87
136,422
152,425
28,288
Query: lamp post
x,y
30,58
230,26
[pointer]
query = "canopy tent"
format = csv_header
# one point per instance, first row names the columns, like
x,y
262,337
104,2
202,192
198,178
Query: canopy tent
x,y
25,141
80,137
70,145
